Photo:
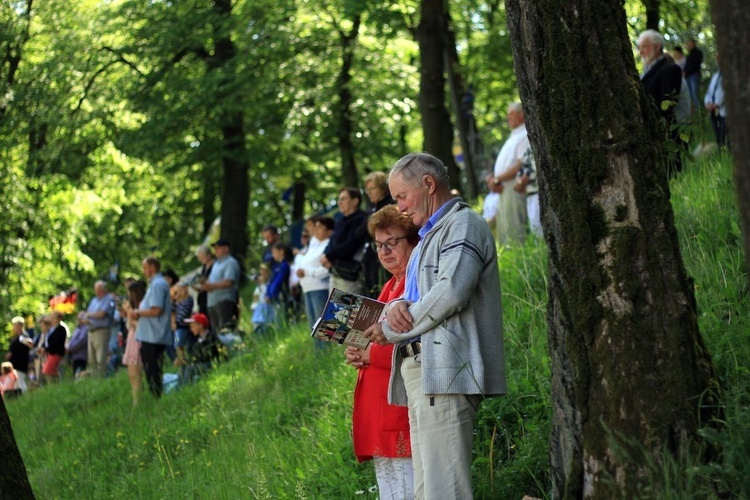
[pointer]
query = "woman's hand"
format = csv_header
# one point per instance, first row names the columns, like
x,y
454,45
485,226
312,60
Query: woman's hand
x,y
357,357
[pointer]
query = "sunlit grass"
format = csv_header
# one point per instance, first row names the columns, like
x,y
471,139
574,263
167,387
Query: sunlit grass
x,y
274,422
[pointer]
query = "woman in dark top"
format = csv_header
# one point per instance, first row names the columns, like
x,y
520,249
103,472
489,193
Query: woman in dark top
x,y
54,348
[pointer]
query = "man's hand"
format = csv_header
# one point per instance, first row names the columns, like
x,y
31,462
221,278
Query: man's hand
x,y
521,183
399,318
375,334
496,185
300,273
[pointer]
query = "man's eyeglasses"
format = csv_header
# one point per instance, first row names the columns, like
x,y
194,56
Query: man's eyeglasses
x,y
389,244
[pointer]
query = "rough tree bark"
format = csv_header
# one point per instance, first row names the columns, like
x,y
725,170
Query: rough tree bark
x,y
436,121
631,375
731,18
14,482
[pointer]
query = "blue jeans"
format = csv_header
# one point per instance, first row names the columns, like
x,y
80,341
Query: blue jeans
x,y
315,301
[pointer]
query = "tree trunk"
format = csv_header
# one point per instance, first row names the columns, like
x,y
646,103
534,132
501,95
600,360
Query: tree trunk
x,y
346,146
731,18
236,190
208,211
14,482
631,376
652,14
436,121
463,112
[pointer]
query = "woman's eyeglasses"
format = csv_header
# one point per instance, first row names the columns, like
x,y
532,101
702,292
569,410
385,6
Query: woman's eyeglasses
x,y
389,244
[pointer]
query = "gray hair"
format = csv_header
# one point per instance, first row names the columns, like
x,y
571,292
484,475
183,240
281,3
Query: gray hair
x,y
516,106
652,36
414,166
101,284
204,249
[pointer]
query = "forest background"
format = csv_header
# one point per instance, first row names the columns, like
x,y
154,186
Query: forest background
x,y
127,127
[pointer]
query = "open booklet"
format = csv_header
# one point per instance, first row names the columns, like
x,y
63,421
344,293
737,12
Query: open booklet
x,y
345,317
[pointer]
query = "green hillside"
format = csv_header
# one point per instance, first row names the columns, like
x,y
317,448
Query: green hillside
x,y
274,421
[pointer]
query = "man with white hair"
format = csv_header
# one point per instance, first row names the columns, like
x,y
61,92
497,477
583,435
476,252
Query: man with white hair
x,y
662,80
511,214
99,317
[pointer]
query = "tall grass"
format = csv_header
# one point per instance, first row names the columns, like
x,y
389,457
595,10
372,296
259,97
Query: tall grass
x,y
274,422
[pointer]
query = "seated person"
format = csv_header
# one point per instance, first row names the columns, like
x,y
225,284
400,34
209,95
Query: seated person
x,y
8,378
205,350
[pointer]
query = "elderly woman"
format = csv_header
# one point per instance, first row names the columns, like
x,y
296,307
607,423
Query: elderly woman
x,y
380,430
376,187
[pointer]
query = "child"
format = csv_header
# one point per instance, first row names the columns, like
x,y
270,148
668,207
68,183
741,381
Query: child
x,y
262,311
8,378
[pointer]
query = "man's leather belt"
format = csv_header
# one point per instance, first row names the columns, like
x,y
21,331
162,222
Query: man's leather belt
x,y
411,349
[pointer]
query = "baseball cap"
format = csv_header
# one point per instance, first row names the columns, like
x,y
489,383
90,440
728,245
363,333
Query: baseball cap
x,y
17,319
221,243
198,318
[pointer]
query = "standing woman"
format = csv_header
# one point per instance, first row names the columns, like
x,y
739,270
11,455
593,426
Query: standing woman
x,y
380,430
54,348
132,356
376,188
313,277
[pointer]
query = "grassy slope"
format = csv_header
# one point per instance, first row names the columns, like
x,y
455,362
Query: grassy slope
x,y
274,423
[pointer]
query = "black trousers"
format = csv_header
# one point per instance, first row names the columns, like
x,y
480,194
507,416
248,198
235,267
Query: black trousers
x,y
152,356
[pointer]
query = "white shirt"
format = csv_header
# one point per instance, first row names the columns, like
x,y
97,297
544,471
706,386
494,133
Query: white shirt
x,y
715,93
512,150
316,276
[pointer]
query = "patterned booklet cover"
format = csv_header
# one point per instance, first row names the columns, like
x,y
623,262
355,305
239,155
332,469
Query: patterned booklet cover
x,y
345,316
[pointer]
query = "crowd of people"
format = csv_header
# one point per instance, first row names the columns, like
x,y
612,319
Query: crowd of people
x,y
158,318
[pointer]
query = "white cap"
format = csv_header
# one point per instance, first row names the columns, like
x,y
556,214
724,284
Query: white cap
x,y
18,319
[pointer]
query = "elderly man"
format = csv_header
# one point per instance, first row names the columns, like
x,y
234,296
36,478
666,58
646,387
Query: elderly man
x,y
662,80
222,287
154,330
511,214
99,318
18,352
448,327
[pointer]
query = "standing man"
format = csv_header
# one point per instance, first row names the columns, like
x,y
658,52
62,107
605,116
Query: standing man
x,y
99,317
222,287
154,331
271,236
18,352
511,213
714,102
662,81
448,327
346,248
206,258
692,71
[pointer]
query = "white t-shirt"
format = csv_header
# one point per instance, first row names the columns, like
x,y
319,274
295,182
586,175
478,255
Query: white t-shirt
x,y
512,150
